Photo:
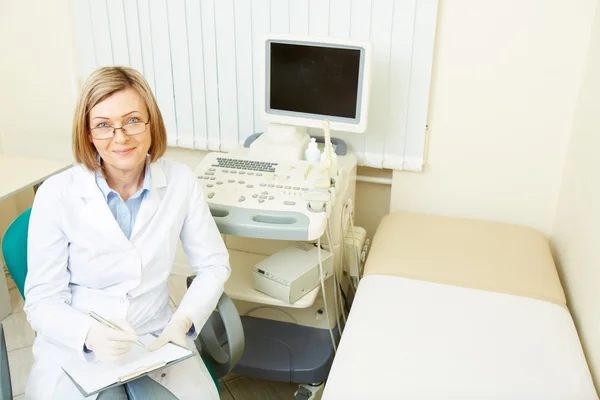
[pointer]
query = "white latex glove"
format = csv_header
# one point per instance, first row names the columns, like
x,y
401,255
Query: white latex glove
x,y
110,344
175,331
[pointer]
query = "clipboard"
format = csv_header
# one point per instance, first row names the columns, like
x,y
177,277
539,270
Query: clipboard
x,y
135,374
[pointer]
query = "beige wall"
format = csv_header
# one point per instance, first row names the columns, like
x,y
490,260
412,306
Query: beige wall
x,y
37,84
504,85
576,235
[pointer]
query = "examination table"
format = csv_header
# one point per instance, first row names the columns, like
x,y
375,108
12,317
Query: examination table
x,y
454,308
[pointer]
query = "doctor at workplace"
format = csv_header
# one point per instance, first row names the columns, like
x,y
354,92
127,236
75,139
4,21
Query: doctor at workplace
x,y
102,238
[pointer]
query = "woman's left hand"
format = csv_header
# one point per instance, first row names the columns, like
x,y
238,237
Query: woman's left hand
x,y
176,331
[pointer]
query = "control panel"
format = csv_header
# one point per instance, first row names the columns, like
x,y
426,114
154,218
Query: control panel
x,y
263,199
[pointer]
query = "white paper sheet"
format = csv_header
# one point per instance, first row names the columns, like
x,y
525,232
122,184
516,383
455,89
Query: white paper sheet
x,y
93,376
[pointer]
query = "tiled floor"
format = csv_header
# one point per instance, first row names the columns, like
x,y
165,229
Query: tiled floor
x,y
19,338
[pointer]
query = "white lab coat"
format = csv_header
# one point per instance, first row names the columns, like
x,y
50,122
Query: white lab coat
x,y
80,260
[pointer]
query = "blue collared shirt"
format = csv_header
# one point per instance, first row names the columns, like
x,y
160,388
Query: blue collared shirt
x,y
125,212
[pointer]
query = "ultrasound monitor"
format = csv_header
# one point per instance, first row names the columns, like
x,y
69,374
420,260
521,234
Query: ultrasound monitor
x,y
307,80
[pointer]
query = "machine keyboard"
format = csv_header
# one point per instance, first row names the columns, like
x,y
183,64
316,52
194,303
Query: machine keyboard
x,y
262,199
249,165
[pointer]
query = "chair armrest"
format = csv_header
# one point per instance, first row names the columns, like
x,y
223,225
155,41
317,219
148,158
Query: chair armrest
x,y
220,351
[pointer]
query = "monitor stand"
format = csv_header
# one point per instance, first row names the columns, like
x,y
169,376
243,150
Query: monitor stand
x,y
281,143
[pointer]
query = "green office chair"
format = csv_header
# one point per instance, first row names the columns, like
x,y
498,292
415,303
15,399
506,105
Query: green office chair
x,y
219,353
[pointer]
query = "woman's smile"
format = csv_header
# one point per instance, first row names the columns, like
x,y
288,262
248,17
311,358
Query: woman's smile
x,y
124,152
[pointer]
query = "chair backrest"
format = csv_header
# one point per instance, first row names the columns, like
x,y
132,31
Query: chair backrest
x,y
14,249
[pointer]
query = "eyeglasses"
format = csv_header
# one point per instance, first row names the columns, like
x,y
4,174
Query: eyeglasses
x,y
108,132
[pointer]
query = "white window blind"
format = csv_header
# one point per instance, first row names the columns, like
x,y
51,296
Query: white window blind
x,y
201,60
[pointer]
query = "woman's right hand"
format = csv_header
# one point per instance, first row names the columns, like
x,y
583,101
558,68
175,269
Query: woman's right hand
x,y
109,344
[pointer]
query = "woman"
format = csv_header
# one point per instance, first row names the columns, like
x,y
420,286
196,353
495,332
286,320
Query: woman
x,y
103,236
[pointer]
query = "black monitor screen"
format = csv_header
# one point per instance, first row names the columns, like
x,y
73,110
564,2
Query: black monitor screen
x,y
314,79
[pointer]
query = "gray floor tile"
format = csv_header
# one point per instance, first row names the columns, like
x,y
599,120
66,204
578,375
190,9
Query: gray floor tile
x,y
244,388
20,363
230,376
18,331
16,300
225,394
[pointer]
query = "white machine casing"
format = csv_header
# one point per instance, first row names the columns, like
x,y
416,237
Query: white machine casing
x,y
264,202
355,251
292,272
280,142
284,143
344,188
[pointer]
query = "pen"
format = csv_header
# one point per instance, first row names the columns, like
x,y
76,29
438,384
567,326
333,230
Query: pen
x,y
111,325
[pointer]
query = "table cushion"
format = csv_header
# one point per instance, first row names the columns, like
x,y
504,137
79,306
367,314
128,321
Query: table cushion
x,y
477,254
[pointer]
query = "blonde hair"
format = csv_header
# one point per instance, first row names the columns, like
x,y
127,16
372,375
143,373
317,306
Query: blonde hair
x,y
100,84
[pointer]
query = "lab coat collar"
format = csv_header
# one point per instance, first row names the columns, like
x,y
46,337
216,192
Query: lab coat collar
x,y
97,213
106,190
85,180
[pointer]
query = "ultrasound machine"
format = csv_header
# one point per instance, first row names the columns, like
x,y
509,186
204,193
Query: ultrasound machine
x,y
295,184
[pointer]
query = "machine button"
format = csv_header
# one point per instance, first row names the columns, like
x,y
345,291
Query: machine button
x,y
271,197
289,203
233,172
261,201
265,192
231,180
241,182
263,184
279,186
258,174
262,196
270,185
225,170
296,188
288,187
242,172
206,177
242,198
254,196
249,186
219,183
210,195
212,178
250,173
210,185
212,169
304,189
209,173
